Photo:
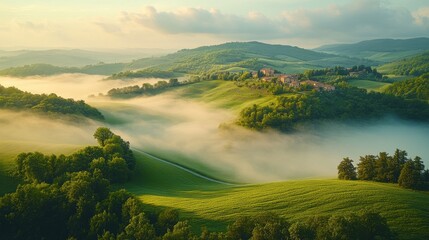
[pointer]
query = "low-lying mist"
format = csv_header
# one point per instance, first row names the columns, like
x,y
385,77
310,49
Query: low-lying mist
x,y
166,123
35,128
73,85
187,128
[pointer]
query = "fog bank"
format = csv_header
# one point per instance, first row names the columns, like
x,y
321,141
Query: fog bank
x,y
191,130
36,128
73,85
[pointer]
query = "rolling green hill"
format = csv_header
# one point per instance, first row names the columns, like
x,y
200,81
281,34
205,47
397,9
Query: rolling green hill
x,y
414,88
42,69
382,50
216,205
15,99
233,56
224,94
369,85
36,69
412,66
205,203
73,57
244,56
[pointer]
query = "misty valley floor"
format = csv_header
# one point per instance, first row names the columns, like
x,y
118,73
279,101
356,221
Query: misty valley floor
x,y
186,129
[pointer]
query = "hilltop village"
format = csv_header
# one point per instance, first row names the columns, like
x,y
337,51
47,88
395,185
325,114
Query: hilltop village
x,y
290,80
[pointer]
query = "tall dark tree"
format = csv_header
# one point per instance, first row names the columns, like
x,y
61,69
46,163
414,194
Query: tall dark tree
x,y
394,165
367,167
410,176
346,169
166,220
300,231
382,170
270,226
140,228
181,231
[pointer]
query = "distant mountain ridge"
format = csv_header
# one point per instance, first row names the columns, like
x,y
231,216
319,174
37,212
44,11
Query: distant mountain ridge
x,y
232,56
384,50
244,56
72,57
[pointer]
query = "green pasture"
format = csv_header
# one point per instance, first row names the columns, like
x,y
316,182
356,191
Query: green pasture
x,y
215,205
369,85
225,94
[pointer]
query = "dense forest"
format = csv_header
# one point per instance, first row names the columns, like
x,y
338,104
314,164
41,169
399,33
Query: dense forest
x,y
360,71
74,197
15,99
409,173
345,103
338,74
146,88
415,88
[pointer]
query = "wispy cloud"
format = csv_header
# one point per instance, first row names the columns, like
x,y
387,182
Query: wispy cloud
x,y
355,20
109,27
179,27
31,25
204,21
421,17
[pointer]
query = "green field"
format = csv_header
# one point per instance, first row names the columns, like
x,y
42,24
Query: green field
x,y
225,94
369,85
207,203
215,205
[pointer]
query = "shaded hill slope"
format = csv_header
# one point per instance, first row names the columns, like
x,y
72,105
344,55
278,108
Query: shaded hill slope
x,y
383,50
215,205
412,66
244,55
73,57
233,56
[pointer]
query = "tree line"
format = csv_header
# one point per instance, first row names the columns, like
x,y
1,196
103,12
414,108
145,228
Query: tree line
x,y
145,73
72,197
13,98
224,75
145,88
361,71
42,69
162,85
407,172
345,103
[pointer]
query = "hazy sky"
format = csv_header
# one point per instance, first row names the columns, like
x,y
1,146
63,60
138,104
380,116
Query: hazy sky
x,y
191,23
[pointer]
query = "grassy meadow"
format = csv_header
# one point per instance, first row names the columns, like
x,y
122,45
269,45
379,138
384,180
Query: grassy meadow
x,y
225,94
215,205
207,203
369,85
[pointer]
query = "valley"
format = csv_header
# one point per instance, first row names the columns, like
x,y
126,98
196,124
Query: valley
x,y
192,156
